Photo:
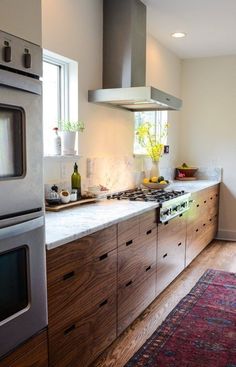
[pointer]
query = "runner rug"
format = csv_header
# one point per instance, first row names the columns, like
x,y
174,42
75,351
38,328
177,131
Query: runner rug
x,y
200,331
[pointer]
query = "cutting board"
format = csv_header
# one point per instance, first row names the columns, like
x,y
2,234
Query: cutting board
x,y
186,178
57,208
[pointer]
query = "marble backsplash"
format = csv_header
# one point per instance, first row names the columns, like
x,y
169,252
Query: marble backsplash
x,y
115,173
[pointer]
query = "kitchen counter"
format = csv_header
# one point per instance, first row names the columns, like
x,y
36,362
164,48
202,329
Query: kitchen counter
x,y
72,224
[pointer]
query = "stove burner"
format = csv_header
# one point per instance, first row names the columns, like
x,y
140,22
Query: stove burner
x,y
158,196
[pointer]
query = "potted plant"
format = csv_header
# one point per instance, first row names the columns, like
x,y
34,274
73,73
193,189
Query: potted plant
x,y
69,129
152,144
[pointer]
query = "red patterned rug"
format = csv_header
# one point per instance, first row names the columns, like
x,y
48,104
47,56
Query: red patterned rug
x,y
200,331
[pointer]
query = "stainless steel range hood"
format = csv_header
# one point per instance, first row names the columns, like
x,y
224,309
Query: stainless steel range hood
x,y
124,61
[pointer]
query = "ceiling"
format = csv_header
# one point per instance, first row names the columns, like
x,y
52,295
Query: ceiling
x,y
210,26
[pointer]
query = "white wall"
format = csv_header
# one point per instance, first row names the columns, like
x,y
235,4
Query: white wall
x,y
21,18
208,126
74,29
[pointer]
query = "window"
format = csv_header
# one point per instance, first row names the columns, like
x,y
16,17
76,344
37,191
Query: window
x,y
158,119
60,93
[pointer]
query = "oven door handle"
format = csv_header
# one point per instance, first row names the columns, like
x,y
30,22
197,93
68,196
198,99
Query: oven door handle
x,y
22,82
21,228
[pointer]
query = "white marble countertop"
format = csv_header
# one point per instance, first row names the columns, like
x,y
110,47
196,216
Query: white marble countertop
x,y
71,224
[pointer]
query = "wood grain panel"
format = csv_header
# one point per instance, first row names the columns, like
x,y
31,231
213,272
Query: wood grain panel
x,y
33,353
83,339
135,258
63,258
174,225
170,259
128,230
133,299
80,289
147,221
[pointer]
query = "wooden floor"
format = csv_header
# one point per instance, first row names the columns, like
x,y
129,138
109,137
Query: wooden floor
x,y
218,255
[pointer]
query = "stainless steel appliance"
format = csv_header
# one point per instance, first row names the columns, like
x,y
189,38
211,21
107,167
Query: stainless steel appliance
x,y
23,310
124,61
171,202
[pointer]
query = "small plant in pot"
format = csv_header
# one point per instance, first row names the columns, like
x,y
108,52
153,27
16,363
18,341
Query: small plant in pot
x,y
69,129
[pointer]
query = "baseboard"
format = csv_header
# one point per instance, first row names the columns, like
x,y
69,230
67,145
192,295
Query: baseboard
x,y
226,235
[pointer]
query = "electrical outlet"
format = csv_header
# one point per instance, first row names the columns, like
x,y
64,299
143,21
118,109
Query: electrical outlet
x,y
166,149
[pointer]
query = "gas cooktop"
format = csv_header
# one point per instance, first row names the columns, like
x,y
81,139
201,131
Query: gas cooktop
x,y
172,202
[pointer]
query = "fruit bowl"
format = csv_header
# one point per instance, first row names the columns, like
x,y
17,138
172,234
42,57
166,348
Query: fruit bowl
x,y
155,185
186,171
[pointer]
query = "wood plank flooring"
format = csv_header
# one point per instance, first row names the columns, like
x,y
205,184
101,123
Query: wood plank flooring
x,y
219,255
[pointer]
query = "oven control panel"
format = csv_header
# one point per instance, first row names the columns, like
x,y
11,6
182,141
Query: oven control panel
x,y
21,55
174,207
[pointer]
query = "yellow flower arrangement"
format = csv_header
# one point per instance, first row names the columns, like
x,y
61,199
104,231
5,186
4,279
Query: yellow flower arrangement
x,y
149,141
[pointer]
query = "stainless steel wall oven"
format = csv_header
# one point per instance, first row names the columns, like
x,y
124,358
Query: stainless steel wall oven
x,y
23,310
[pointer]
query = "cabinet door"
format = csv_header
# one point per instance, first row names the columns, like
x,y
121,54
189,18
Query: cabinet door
x,y
134,297
135,256
81,340
170,257
34,352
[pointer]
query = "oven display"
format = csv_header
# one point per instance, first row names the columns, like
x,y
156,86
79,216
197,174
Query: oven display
x,y
12,157
13,282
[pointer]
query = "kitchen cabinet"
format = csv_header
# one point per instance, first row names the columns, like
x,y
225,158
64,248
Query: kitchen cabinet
x,y
34,352
82,291
202,221
170,251
137,251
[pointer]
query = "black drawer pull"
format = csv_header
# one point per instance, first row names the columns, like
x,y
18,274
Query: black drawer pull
x,y
216,195
204,224
70,328
210,219
198,205
149,232
68,275
148,268
205,201
180,215
166,223
103,303
197,230
180,243
164,256
128,243
129,283
103,257
211,198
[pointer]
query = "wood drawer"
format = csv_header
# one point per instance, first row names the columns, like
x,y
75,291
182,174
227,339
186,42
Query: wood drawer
x,y
170,260
61,259
133,299
147,221
81,287
34,352
134,258
81,341
169,229
128,230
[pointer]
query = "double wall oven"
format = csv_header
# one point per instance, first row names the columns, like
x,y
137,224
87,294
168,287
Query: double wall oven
x,y
23,310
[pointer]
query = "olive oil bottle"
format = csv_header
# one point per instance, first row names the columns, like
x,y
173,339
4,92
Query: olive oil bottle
x,y
76,181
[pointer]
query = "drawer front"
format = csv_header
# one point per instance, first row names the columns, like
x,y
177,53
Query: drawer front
x,y
80,287
79,342
170,264
62,259
128,230
170,243
177,224
134,299
136,257
147,221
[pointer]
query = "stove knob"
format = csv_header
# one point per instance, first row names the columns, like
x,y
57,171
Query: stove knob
x,y
167,212
184,205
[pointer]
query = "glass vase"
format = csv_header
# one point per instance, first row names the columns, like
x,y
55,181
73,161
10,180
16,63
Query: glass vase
x,y
155,170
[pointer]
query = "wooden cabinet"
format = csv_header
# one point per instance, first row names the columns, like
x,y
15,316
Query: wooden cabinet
x,y
170,251
82,291
202,221
34,352
137,251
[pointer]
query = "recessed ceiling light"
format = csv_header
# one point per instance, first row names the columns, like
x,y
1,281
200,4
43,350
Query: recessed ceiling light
x,y
178,34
